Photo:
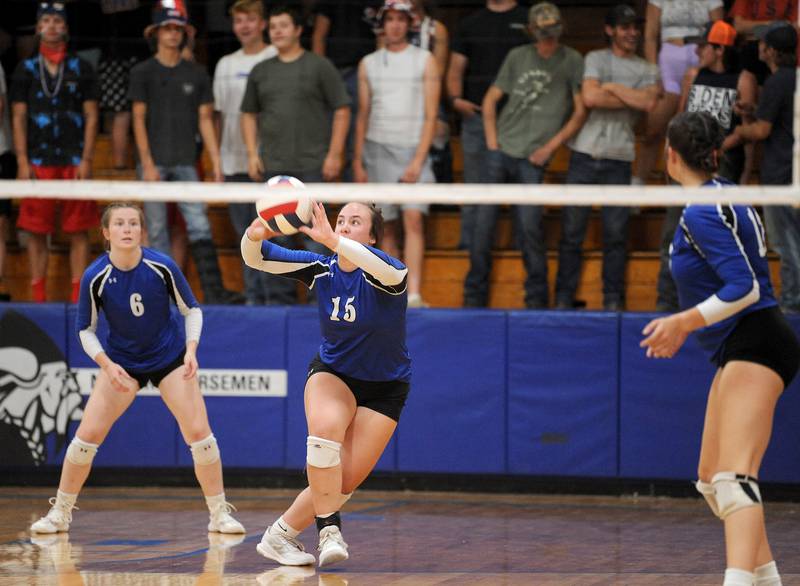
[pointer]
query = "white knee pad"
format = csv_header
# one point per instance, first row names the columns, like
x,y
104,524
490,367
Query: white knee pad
x,y
734,492
322,453
205,451
81,453
708,492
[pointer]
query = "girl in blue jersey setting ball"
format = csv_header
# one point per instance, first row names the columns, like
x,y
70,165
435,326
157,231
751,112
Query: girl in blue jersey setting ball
x,y
720,268
135,287
357,384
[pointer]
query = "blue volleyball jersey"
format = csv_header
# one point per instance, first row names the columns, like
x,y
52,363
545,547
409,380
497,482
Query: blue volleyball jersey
x,y
363,321
145,330
721,250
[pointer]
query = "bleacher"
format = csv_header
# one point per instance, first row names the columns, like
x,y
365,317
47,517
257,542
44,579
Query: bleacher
x,y
445,265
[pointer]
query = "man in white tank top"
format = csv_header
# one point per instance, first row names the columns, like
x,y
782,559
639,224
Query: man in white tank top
x,y
398,96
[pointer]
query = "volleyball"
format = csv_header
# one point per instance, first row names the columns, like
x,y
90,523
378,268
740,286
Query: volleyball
x,y
284,209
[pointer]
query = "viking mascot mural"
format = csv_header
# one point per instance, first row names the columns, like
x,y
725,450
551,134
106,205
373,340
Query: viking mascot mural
x,y
38,392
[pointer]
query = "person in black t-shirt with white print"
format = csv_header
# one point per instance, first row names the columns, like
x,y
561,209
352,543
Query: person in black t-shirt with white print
x,y
480,44
172,100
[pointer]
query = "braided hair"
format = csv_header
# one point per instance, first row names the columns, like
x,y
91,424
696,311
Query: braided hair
x,y
697,137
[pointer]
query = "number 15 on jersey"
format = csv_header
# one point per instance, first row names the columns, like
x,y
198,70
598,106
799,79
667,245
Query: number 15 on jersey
x,y
349,309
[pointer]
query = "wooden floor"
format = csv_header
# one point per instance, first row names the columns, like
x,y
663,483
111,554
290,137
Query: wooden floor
x,y
158,537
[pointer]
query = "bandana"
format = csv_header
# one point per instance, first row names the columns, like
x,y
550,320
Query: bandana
x,y
54,54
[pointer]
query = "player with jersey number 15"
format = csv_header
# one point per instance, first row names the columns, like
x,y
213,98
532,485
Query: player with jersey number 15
x,y
357,384
133,286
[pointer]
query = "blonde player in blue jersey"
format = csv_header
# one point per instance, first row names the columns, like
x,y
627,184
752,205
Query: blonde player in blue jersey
x,y
135,288
719,263
357,384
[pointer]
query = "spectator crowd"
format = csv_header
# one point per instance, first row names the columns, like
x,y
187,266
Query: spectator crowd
x,y
369,91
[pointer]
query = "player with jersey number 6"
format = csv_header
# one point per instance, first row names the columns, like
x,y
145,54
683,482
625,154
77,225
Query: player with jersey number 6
x,y
133,286
719,263
357,384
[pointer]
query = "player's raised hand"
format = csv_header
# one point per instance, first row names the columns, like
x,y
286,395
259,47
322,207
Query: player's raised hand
x,y
321,230
258,231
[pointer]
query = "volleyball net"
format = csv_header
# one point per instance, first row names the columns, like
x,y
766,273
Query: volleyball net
x,y
429,193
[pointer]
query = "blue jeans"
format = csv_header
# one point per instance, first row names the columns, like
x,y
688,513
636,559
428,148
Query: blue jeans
x,y
473,146
584,169
194,213
783,231
503,168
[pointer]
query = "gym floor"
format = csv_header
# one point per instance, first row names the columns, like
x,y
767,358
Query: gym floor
x,y
152,536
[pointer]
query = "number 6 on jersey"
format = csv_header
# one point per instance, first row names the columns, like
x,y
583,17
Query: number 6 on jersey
x,y
137,308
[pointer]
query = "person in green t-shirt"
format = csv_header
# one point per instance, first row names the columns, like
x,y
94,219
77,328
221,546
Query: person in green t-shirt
x,y
295,110
541,81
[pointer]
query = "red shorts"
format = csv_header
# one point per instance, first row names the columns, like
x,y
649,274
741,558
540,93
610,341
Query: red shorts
x,y
39,215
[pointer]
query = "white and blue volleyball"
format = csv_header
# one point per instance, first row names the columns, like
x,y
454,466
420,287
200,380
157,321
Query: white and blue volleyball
x,y
285,207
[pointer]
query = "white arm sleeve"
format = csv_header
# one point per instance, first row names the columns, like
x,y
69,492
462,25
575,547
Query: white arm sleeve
x,y
715,309
193,322
90,342
366,260
251,253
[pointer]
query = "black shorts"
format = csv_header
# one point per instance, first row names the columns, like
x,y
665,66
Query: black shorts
x,y
156,376
386,397
766,338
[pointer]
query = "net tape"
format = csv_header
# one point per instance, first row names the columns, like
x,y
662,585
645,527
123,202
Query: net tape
x,y
433,193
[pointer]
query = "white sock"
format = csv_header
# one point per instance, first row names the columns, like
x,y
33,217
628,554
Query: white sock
x,y
65,500
737,577
281,527
214,501
767,575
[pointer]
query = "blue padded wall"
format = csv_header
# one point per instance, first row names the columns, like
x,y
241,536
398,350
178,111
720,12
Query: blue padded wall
x,y
562,393
662,405
454,420
250,431
493,392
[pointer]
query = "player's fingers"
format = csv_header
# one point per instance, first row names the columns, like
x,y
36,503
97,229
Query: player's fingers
x,y
649,327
